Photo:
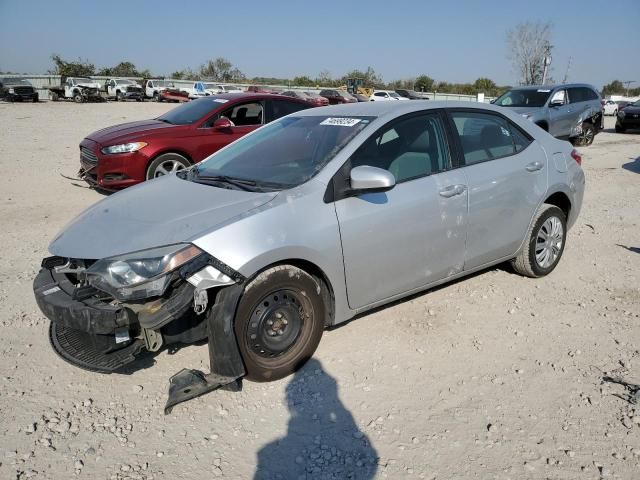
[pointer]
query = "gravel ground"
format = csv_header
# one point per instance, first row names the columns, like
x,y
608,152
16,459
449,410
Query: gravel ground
x,y
494,376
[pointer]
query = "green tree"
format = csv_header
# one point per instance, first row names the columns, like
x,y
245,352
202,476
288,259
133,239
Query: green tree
x,y
220,70
423,83
303,81
614,88
79,68
484,85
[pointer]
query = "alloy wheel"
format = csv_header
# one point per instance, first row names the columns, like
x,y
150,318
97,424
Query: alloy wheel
x,y
549,242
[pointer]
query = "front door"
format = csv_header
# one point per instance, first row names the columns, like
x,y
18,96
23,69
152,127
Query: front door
x,y
246,117
560,116
413,234
506,174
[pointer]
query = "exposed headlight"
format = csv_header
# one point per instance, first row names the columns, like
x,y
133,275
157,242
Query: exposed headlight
x,y
621,114
11,90
124,148
141,274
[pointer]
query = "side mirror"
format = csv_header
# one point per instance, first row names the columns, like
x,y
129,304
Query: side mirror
x,y
223,123
371,179
557,103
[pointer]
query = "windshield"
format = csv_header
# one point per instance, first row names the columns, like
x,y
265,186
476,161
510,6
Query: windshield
x,y
211,86
394,95
15,81
163,83
524,98
344,94
284,153
635,104
189,113
125,82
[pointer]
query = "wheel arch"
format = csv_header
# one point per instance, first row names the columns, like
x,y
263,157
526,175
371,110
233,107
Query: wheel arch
x,y
178,151
543,124
315,271
560,200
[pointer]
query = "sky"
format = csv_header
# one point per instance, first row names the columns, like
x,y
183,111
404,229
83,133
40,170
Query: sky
x,y
449,40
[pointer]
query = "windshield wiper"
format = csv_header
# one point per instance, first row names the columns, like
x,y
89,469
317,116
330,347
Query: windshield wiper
x,y
164,120
236,182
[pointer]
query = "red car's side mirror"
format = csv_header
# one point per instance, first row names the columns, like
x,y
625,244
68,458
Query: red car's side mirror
x,y
222,123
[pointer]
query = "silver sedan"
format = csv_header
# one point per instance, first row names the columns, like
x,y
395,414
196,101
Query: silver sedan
x,y
303,224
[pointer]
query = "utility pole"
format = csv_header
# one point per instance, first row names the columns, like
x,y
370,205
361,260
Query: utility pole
x,y
566,74
627,83
547,62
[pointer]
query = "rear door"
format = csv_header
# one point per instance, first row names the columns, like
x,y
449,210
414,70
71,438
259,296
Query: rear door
x,y
506,175
246,116
414,234
278,108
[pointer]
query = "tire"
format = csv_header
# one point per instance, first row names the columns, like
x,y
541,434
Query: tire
x,y
139,99
54,97
156,97
548,220
165,164
77,97
292,301
118,97
588,134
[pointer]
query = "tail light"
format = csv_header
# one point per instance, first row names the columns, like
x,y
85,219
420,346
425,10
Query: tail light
x,y
576,156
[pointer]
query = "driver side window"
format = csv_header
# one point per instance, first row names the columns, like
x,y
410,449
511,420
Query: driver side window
x,y
409,148
559,96
244,114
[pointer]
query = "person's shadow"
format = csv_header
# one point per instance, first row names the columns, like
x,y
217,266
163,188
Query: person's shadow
x,y
323,440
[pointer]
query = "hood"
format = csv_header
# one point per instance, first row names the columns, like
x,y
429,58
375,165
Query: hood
x,y
160,212
631,110
117,132
523,110
88,85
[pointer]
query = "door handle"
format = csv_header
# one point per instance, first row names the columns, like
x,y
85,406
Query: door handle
x,y
452,191
534,166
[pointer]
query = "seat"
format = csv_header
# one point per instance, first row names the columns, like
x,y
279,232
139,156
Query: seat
x,y
241,116
410,165
496,142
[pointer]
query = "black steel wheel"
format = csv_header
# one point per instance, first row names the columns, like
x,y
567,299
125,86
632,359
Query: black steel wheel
x,y
279,322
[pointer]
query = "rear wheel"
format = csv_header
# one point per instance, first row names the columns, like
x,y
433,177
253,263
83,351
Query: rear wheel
x,y
586,136
166,164
544,244
279,322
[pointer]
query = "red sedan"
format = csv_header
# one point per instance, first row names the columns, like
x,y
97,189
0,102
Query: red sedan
x,y
123,155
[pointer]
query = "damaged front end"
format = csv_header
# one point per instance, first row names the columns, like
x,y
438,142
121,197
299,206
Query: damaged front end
x,y
105,314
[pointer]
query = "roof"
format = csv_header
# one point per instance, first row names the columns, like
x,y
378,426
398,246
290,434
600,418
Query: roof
x,y
392,108
552,87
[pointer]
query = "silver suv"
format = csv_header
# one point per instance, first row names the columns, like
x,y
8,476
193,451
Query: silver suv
x,y
571,112
303,224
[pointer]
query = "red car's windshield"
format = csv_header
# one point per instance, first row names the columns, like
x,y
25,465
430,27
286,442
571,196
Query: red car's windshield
x,y
189,113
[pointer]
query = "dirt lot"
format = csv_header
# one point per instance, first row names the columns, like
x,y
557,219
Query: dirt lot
x,y
495,376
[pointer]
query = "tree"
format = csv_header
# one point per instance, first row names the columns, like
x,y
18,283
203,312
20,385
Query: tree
x,y
528,44
303,81
423,83
324,79
220,70
614,88
370,77
79,68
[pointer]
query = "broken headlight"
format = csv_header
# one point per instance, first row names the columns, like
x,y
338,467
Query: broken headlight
x,y
141,274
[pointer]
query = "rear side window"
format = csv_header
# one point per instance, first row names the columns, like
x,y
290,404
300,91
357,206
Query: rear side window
x,y
281,108
487,137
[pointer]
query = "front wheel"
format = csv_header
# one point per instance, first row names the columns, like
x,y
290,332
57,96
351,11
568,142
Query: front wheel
x,y
77,97
544,244
587,135
156,97
166,164
279,322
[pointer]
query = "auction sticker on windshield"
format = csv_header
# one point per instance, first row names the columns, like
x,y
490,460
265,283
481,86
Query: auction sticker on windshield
x,y
220,100
341,121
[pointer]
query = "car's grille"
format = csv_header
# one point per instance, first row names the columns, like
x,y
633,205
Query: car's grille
x,y
88,155
23,90
134,89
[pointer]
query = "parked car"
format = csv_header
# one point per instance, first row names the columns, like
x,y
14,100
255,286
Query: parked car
x,y
224,88
123,89
622,104
359,97
17,90
385,95
260,89
571,111
301,225
78,89
316,100
123,155
410,94
153,86
609,107
337,97
628,117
